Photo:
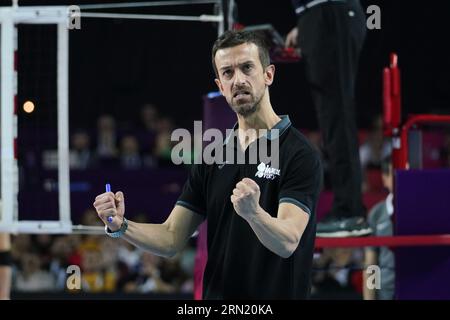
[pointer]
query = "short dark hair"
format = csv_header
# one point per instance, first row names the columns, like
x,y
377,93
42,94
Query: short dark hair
x,y
234,38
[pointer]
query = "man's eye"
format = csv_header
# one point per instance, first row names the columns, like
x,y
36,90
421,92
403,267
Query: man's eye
x,y
226,72
247,67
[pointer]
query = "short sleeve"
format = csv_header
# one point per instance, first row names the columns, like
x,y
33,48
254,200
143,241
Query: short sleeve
x,y
302,181
192,196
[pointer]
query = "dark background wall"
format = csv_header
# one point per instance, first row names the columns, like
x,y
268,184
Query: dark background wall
x,y
116,65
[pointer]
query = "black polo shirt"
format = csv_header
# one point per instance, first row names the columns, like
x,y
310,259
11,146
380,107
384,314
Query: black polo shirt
x,y
239,265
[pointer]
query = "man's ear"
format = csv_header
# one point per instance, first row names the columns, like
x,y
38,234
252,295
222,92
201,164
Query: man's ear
x,y
219,85
269,74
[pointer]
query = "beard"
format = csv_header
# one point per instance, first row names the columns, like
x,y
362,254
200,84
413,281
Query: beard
x,y
246,107
245,110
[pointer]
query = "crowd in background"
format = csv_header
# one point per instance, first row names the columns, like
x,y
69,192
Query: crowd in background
x,y
109,265
144,144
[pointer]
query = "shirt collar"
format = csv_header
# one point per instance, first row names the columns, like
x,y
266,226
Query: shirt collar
x,y
281,125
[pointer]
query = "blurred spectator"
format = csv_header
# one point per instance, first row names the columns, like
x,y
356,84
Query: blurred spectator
x,y
61,252
31,277
105,267
74,241
173,274
81,157
336,274
42,243
375,148
146,134
88,241
371,153
106,140
129,259
130,158
163,146
380,220
187,261
20,244
94,276
129,255
148,278
110,257
50,159
149,117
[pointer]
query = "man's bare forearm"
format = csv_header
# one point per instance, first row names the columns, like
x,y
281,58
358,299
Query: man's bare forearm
x,y
155,238
164,239
277,235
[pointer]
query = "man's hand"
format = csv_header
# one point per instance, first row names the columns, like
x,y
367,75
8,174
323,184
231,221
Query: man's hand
x,y
292,38
109,204
245,198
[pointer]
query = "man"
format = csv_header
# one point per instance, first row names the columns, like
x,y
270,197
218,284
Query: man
x,y
380,220
330,34
261,219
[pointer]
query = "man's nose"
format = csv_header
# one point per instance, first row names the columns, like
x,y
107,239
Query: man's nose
x,y
239,78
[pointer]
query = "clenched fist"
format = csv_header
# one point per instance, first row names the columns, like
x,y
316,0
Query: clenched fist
x,y
112,205
245,198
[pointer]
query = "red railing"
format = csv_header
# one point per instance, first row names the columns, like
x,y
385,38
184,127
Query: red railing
x,y
393,127
392,121
391,241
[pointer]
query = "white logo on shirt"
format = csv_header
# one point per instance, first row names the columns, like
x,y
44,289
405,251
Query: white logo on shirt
x,y
265,171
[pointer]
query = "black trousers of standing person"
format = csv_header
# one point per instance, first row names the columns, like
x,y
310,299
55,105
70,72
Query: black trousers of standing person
x,y
331,36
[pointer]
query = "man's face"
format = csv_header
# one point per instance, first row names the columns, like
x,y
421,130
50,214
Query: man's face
x,y
242,79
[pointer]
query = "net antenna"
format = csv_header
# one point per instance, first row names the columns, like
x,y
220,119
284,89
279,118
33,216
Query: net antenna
x,y
62,17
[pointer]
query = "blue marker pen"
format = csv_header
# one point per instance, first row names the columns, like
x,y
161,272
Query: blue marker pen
x,y
108,189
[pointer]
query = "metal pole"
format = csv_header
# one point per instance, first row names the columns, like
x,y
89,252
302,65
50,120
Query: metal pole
x,y
63,124
8,173
145,4
202,18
